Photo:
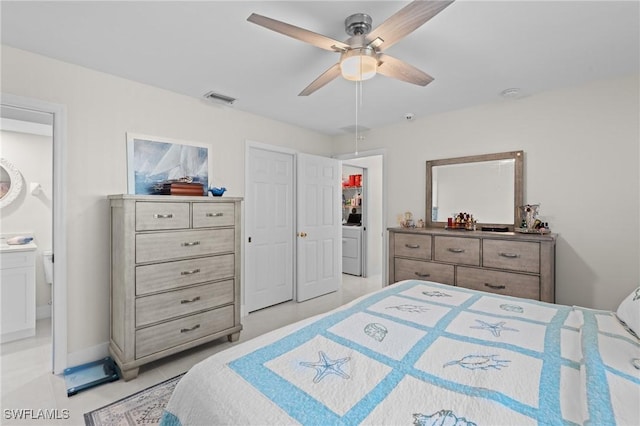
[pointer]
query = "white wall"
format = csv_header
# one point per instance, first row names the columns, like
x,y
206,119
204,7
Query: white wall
x,y
581,165
101,108
31,214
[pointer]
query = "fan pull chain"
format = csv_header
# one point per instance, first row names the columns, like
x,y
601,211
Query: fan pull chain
x,y
358,103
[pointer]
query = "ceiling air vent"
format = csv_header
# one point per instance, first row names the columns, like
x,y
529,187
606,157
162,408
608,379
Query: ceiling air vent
x,y
219,99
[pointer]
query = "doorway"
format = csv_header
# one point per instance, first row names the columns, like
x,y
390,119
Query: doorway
x,y
374,246
30,108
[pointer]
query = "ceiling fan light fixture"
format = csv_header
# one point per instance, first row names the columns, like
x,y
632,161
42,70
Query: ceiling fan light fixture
x,y
359,64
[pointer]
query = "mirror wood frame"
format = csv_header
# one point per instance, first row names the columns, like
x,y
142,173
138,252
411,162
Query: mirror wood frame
x,y
518,196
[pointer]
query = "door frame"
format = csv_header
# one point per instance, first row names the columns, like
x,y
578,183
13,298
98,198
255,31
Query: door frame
x,y
59,231
383,153
282,150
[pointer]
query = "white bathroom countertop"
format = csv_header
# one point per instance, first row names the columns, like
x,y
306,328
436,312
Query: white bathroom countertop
x,y
7,248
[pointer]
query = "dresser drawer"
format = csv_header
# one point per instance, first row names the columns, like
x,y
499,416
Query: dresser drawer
x,y
181,273
207,215
407,269
177,332
159,307
410,245
513,255
174,245
465,251
152,216
506,283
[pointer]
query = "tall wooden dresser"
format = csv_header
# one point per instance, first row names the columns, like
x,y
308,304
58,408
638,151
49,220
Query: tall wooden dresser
x,y
175,275
508,263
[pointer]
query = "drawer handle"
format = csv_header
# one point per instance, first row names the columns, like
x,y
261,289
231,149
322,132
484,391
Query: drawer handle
x,y
456,250
193,243
195,299
495,287
162,216
191,272
214,214
412,246
186,330
510,255
421,275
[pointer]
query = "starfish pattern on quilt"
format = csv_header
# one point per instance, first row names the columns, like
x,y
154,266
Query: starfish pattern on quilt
x,y
495,329
326,366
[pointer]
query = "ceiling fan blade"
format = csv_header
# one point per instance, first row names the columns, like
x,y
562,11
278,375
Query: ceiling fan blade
x,y
298,33
400,70
326,77
405,21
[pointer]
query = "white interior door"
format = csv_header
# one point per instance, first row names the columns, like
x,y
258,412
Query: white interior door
x,y
319,224
269,228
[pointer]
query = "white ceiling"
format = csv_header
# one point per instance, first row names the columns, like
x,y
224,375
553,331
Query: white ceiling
x,y
473,49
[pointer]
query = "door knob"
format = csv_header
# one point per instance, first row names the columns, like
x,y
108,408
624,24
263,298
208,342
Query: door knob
x,y
301,234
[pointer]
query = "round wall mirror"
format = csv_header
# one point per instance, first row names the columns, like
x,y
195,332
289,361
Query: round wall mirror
x,y
10,183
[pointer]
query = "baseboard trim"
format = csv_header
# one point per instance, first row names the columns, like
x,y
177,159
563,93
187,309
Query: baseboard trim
x,y
84,356
17,335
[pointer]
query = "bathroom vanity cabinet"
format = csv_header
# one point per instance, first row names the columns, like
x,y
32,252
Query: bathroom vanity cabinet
x,y
18,291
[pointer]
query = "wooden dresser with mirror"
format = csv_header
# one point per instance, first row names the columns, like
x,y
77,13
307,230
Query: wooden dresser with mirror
x,y
507,263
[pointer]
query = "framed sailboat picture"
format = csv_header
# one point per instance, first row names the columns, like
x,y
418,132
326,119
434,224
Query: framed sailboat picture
x,y
151,161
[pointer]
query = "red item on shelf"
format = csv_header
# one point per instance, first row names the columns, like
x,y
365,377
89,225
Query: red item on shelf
x,y
358,180
352,180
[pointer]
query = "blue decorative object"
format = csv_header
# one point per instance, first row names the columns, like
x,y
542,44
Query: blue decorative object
x,y
217,192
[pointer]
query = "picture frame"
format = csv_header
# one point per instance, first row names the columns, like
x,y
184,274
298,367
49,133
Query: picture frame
x,y
152,160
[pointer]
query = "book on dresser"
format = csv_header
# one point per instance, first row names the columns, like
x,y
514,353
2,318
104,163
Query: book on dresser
x,y
505,263
175,275
180,188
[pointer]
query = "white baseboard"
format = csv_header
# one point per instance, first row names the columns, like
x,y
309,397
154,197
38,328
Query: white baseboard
x,y
43,311
17,335
84,356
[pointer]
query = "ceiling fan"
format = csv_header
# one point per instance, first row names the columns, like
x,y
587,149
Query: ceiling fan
x,y
361,55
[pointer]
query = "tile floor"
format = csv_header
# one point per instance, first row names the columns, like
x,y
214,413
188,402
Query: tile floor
x,y
27,383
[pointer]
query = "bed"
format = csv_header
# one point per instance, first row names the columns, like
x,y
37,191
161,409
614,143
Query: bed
x,y
423,353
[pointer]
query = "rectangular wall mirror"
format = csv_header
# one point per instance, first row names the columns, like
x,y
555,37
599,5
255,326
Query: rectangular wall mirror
x,y
488,186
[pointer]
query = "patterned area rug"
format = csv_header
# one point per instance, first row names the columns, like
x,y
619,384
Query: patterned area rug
x,y
141,408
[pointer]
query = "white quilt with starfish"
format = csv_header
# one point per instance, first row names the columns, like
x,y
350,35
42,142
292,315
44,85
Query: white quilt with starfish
x,y
425,354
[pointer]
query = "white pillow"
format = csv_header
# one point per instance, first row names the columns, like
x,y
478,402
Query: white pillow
x,y
629,312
